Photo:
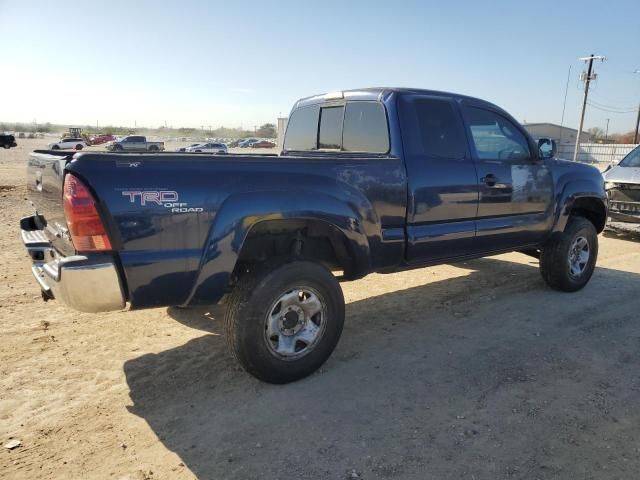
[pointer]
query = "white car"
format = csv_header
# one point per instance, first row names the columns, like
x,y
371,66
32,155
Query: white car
x,y
207,148
66,143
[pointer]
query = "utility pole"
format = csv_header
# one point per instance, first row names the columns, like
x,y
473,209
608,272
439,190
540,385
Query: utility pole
x,y
590,75
606,132
564,105
635,136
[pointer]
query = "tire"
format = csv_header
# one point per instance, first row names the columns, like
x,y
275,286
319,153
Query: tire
x,y
55,147
283,348
567,261
78,147
117,148
7,146
153,148
198,151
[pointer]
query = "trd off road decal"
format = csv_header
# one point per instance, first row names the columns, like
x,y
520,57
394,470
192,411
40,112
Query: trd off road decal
x,y
168,199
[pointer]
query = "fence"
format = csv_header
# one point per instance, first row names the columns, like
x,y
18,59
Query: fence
x,y
599,154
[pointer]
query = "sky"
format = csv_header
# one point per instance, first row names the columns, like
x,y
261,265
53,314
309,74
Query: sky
x,y
244,63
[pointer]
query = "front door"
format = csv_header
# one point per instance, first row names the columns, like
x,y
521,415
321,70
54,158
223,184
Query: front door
x,y
515,186
442,181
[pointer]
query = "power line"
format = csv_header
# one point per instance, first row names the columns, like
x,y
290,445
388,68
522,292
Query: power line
x,y
612,107
622,112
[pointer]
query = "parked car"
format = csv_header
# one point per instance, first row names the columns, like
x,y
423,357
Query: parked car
x,y
263,144
69,143
623,188
7,141
207,148
100,139
135,143
247,142
373,180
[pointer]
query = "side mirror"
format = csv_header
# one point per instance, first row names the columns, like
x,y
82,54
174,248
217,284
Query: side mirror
x,y
547,148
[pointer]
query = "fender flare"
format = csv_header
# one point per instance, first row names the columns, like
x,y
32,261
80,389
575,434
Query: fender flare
x,y
573,191
240,213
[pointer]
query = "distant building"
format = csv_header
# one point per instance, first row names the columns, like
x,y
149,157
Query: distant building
x,y
282,127
556,132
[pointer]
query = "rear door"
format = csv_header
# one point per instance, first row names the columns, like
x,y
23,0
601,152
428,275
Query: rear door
x,y
515,186
442,180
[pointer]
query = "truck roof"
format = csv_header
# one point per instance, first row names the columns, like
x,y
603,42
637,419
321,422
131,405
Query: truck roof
x,y
378,93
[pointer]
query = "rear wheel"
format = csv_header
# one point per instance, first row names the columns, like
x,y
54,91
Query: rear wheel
x,y
283,320
153,148
78,147
568,260
55,147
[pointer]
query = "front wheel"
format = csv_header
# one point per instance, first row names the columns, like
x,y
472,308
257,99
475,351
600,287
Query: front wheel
x,y
568,260
283,320
79,147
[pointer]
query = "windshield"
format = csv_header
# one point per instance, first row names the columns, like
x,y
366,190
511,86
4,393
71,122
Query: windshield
x,y
632,159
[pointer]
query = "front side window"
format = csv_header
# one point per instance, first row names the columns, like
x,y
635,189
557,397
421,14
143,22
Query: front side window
x,y
632,159
365,128
330,134
495,137
302,129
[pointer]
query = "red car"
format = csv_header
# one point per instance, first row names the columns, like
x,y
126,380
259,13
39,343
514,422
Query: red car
x,y
100,139
263,144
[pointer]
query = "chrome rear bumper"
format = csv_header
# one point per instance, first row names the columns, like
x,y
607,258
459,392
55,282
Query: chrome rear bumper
x,y
85,283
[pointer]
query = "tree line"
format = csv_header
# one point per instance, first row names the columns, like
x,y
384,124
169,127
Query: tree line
x,y
267,130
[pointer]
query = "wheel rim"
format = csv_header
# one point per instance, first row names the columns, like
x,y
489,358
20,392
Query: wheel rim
x,y
579,254
295,323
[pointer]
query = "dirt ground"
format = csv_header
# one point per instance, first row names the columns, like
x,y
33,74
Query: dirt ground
x,y
475,370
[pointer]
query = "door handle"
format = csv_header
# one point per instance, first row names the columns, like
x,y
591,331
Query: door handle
x,y
489,179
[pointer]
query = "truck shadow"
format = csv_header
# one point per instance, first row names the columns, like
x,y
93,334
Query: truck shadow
x,y
426,379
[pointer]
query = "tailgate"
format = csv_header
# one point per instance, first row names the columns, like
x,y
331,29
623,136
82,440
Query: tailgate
x,y
45,176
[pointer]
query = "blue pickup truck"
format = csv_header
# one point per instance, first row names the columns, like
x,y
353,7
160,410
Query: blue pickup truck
x,y
371,180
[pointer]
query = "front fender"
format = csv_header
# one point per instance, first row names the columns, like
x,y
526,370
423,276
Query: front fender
x,y
570,193
239,213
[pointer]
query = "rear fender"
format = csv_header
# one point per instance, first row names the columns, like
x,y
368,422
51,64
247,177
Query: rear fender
x,y
239,213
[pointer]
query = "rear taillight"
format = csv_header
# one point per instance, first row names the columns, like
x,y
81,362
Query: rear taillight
x,y
85,226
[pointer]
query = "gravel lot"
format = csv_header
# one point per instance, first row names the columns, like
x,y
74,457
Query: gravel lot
x,y
475,370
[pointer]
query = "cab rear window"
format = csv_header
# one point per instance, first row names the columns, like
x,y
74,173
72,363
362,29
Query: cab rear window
x,y
359,126
365,128
302,129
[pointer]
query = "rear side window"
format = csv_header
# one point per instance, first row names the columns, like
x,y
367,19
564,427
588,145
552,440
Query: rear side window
x,y
365,128
432,127
330,135
302,129
495,137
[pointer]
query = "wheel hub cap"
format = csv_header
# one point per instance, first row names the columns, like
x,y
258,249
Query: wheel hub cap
x,y
295,323
579,254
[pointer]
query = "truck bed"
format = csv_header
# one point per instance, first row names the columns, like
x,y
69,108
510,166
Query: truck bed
x,y
178,220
